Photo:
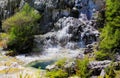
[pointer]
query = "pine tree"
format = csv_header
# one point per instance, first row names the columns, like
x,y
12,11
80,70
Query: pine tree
x,y
110,36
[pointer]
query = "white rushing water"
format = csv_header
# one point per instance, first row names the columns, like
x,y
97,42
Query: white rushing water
x,y
52,54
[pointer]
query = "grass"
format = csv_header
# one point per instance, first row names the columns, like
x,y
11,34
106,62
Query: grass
x,y
7,61
16,72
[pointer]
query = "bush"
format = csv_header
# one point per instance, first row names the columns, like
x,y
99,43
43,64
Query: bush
x,y
82,68
21,27
110,35
110,71
57,74
102,56
60,63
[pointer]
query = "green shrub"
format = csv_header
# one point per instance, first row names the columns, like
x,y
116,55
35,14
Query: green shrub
x,y
110,71
57,74
111,32
110,36
82,68
102,56
21,27
60,63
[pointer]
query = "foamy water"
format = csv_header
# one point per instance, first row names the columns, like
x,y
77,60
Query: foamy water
x,y
51,54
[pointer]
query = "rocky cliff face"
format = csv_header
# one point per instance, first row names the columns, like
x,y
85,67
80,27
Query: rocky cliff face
x,y
52,10
8,8
72,23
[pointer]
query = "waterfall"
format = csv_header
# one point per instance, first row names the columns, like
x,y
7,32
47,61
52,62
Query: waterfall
x,y
70,34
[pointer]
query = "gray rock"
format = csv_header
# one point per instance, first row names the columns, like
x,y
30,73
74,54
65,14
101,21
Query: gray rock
x,y
117,57
52,10
80,56
99,64
7,7
51,67
103,73
69,65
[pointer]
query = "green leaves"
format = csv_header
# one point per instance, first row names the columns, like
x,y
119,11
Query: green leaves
x,y
57,74
21,27
81,69
110,36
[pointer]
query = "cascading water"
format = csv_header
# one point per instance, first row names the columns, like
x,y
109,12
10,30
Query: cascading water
x,y
70,31
70,34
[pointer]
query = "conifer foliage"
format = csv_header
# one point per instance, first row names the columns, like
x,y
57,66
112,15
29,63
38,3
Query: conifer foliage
x,y
110,36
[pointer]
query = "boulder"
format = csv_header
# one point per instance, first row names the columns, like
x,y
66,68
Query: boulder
x,y
50,67
103,73
99,64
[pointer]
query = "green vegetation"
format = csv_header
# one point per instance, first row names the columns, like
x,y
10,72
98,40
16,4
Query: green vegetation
x,y
60,72
110,36
60,63
21,27
57,74
100,55
110,71
81,69
29,74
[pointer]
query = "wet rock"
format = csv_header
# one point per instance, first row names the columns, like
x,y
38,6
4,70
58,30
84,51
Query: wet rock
x,y
75,12
80,56
89,46
70,26
71,45
89,49
68,33
99,64
46,40
52,4
51,10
